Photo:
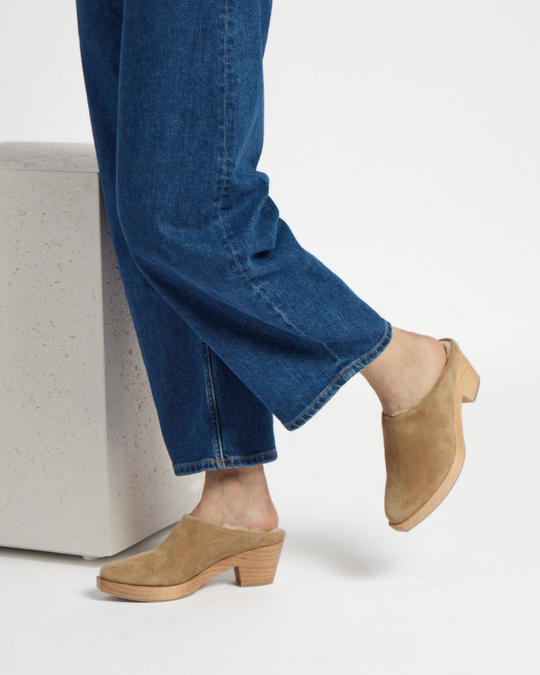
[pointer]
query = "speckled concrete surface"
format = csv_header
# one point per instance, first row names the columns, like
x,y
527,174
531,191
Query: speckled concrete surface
x,y
84,467
35,156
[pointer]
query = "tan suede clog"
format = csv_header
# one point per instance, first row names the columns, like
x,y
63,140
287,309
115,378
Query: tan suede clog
x,y
193,553
424,446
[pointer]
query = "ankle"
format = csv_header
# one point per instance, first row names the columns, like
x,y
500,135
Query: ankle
x,y
406,371
237,497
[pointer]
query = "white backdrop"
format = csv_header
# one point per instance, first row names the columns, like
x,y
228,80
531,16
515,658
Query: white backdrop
x,y
402,145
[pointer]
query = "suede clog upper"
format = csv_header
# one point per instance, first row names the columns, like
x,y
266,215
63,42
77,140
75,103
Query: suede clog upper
x,y
191,547
420,444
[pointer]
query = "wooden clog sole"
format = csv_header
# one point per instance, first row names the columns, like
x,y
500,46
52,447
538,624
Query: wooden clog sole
x,y
252,568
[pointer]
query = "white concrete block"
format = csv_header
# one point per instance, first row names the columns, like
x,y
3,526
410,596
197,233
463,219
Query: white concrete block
x,y
83,466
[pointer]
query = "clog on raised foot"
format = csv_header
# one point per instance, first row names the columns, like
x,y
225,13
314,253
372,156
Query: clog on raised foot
x,y
424,446
193,553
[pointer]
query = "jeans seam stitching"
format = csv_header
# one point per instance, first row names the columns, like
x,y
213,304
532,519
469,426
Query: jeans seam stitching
x,y
226,459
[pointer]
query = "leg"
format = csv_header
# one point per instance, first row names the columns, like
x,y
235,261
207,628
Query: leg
x,y
237,497
196,214
208,417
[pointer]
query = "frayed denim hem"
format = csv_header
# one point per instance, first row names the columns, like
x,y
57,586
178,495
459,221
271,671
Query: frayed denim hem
x,y
340,380
228,463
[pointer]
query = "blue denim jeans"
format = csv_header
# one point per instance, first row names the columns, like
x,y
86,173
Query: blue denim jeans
x,y
236,321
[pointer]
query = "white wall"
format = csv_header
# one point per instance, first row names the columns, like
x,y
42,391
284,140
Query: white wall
x,y
43,96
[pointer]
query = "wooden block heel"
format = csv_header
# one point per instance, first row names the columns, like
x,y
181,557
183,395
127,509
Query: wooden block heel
x,y
468,381
258,567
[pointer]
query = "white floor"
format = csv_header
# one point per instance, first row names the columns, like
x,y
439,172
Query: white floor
x,y
459,594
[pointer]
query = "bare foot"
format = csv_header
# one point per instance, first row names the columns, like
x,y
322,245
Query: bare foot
x,y
406,371
233,497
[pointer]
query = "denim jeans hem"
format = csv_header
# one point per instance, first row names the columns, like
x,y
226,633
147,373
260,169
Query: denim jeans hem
x,y
228,463
340,380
